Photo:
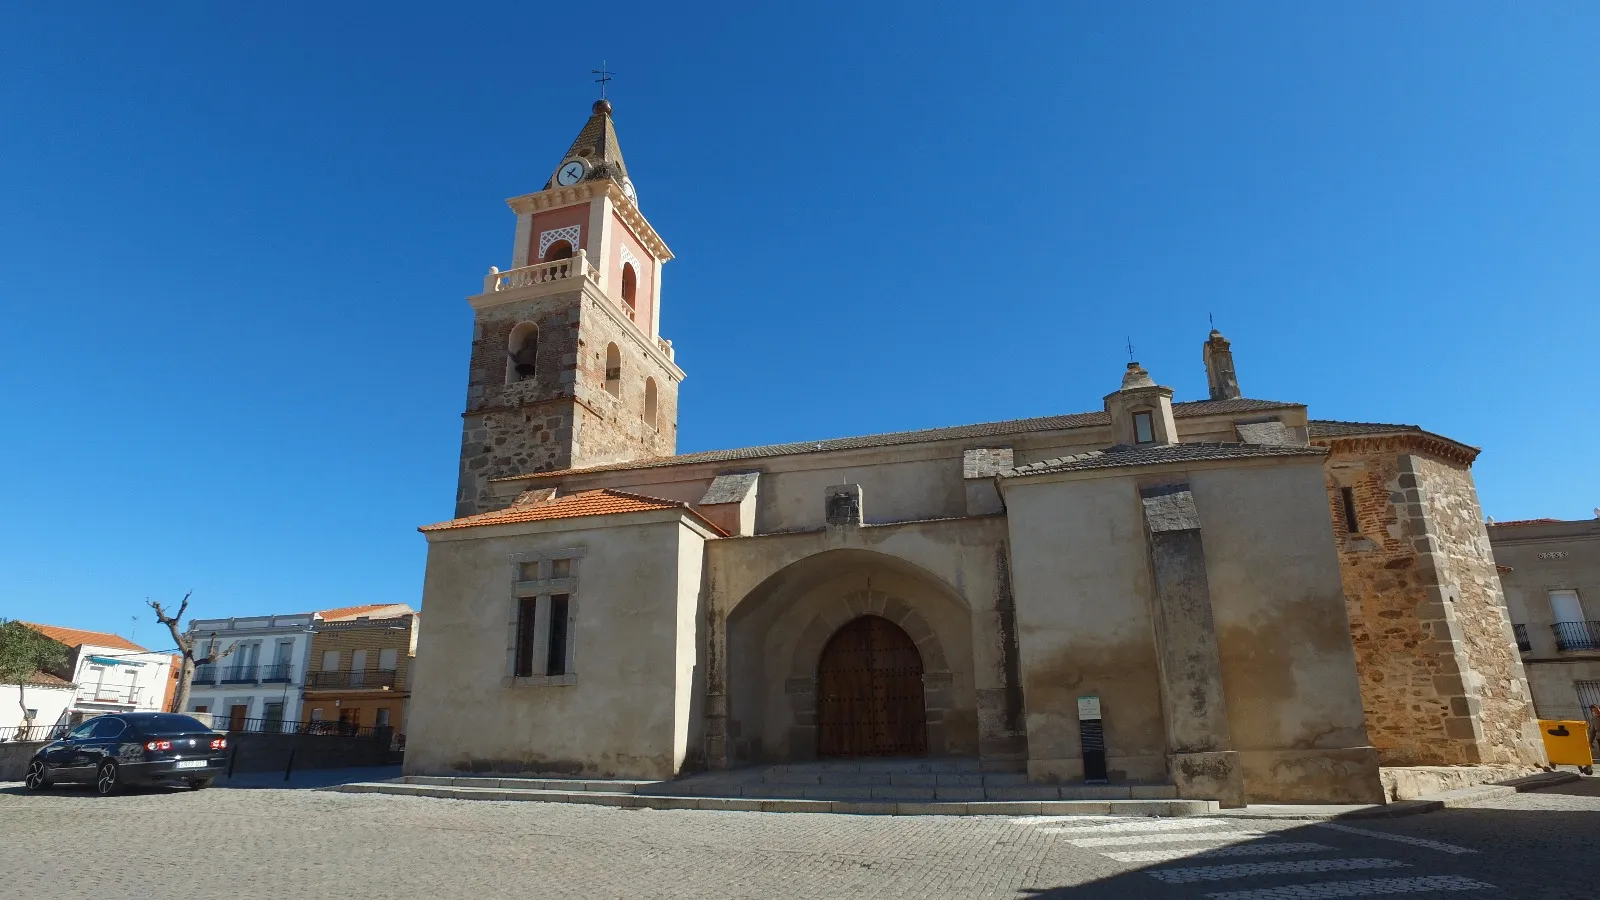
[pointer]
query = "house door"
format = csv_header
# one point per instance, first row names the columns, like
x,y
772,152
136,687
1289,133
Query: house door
x,y
869,692
236,716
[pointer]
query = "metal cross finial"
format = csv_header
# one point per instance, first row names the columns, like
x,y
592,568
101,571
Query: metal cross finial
x,y
1212,319
605,76
1130,349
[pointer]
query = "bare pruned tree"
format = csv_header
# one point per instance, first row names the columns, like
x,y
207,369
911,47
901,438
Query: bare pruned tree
x,y
185,644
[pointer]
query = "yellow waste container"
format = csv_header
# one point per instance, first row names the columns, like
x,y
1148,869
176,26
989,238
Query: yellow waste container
x,y
1567,742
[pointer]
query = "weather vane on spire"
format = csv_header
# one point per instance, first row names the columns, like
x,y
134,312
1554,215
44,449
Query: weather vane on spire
x,y
604,77
1130,349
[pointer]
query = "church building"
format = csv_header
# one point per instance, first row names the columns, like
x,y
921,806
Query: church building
x,y
1222,594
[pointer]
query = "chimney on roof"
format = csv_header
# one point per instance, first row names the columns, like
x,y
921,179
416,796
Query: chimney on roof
x,y
1220,376
1141,412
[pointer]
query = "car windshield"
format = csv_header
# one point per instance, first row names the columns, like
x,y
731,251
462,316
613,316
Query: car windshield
x,y
164,723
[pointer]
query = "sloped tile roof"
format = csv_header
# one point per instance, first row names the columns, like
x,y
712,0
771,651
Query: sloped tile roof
x,y
1515,522
347,612
77,637
1197,451
42,678
1188,409
1330,428
603,502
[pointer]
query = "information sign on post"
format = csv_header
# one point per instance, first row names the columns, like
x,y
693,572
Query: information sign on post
x,y
1091,734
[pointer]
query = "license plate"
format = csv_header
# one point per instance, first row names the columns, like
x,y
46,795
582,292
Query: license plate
x,y
191,764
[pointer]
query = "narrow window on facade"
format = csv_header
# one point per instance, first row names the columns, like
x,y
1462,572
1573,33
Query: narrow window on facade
x,y
330,660
527,609
560,568
1144,431
1347,500
558,636
316,714
630,286
650,402
613,370
522,352
387,659
382,720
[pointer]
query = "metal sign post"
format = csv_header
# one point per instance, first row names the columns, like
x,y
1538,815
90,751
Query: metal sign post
x,y
1093,738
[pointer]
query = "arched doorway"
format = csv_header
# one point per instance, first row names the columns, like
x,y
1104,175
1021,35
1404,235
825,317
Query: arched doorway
x,y
869,692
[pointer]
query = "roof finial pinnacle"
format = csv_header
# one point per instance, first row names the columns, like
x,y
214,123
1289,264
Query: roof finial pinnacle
x,y
603,78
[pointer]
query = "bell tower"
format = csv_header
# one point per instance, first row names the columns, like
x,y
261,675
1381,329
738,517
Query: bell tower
x,y
569,368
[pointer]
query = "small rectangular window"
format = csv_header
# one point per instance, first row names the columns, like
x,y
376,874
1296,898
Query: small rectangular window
x,y
387,659
560,568
1347,497
1143,428
330,660
558,636
526,609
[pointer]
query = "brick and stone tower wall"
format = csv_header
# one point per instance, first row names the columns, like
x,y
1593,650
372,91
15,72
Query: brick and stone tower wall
x,y
564,417
568,367
1442,682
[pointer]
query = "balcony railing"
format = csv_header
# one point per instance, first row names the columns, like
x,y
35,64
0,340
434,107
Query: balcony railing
x,y
1577,635
555,270
239,674
360,680
119,694
277,673
205,675
1523,643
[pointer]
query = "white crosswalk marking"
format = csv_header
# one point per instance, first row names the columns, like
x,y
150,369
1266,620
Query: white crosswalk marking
x,y
1172,854
1124,840
1137,825
1324,890
1399,838
1293,867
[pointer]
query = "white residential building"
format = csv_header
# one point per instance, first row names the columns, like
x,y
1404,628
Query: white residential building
x,y
46,698
112,674
258,682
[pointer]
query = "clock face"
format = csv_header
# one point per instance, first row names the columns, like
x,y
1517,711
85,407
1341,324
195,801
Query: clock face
x,y
570,173
627,190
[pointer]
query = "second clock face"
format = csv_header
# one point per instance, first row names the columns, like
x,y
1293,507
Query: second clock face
x,y
627,190
570,173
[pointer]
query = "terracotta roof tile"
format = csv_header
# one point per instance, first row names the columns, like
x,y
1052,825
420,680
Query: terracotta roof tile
x,y
1524,522
347,612
1188,409
603,502
45,679
74,637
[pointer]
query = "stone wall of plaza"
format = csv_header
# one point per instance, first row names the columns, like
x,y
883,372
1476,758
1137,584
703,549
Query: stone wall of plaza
x,y
1440,678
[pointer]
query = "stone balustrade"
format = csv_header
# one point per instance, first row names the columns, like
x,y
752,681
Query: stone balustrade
x,y
555,270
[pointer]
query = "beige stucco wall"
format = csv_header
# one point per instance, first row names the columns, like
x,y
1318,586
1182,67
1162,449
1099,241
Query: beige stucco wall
x,y
1288,668
627,711
1084,597
1542,557
1080,564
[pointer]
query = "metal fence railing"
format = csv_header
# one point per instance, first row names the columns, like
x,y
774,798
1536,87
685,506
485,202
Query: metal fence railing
x,y
1523,643
280,726
32,733
358,679
1577,635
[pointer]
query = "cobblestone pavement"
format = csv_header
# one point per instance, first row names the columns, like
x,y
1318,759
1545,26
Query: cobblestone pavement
x,y
314,844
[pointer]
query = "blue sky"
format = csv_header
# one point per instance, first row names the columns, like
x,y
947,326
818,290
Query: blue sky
x,y
236,242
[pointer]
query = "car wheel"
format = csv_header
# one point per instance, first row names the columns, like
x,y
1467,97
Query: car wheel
x,y
199,784
106,781
35,780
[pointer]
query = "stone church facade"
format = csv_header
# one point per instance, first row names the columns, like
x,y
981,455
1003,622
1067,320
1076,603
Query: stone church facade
x,y
1223,595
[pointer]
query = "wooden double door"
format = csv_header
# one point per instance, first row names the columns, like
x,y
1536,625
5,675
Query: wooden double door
x,y
869,692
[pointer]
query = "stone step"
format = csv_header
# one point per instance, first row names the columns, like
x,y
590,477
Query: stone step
x,y
949,765
935,807
895,777
612,785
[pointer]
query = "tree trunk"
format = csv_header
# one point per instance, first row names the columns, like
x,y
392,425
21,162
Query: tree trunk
x,y
180,697
23,702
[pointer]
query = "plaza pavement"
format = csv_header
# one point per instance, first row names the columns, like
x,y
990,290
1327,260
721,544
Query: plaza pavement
x,y
296,842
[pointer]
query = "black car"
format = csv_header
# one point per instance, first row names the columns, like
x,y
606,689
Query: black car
x,y
132,748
